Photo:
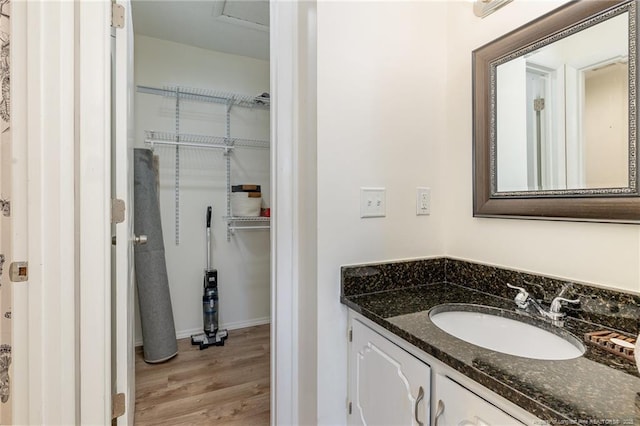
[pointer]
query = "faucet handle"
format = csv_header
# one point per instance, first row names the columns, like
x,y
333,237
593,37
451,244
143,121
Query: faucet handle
x,y
522,298
556,304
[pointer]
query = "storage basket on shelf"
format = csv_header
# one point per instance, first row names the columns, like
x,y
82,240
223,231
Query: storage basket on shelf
x,y
244,205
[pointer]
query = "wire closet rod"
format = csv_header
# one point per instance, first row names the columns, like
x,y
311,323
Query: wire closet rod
x,y
204,141
233,228
207,95
192,144
247,218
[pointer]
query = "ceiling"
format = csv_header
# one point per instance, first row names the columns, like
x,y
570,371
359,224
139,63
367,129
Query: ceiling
x,y
238,27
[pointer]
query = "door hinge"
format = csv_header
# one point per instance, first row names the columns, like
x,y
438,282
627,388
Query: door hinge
x,y
117,15
350,407
351,334
117,405
18,272
117,210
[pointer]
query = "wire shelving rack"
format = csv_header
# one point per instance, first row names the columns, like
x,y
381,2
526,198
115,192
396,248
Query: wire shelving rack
x,y
226,143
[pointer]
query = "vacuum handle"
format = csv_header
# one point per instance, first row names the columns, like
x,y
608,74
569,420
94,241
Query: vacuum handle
x,y
208,235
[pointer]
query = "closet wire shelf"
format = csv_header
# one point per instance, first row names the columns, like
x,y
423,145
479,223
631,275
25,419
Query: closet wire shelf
x,y
154,137
227,143
208,95
255,220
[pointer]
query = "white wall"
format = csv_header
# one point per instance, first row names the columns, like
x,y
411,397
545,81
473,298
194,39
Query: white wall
x,y
381,122
603,254
395,110
242,263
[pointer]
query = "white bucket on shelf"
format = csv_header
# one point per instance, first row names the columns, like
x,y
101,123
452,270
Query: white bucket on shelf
x,y
243,205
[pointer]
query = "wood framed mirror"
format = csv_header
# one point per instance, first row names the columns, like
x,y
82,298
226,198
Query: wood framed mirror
x,y
555,117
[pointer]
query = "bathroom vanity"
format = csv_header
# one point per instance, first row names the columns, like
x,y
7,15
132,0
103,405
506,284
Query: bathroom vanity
x,y
393,383
404,369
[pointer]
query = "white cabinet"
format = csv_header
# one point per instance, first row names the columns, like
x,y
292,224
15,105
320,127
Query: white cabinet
x,y
454,405
386,374
387,385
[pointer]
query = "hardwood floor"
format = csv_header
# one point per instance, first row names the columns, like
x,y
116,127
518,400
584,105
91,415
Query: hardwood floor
x,y
226,385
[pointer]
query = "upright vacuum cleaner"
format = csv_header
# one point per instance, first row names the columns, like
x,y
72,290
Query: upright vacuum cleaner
x,y
211,336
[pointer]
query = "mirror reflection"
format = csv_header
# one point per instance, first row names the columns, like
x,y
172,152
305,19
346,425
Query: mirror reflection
x,y
562,113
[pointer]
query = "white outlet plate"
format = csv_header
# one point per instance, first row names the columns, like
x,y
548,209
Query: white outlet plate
x,y
373,202
423,201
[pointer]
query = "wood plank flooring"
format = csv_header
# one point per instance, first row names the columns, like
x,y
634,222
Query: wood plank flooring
x,y
226,385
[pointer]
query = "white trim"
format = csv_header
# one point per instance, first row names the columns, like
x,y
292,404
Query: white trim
x,y
20,303
306,213
94,191
294,193
58,199
284,356
34,310
123,348
44,185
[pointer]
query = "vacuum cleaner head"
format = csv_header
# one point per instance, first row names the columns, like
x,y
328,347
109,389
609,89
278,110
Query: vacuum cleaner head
x,y
205,340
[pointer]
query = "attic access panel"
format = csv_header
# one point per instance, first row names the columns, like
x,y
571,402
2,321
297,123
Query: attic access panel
x,y
251,14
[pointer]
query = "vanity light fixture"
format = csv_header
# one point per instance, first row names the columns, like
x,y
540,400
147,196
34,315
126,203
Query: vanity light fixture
x,y
483,8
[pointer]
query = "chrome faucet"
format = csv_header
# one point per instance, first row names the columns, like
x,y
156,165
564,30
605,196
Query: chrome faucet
x,y
523,300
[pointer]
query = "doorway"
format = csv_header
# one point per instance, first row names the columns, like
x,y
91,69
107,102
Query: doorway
x,y
188,134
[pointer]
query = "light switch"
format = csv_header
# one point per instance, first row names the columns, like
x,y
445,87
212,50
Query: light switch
x,y
423,201
373,202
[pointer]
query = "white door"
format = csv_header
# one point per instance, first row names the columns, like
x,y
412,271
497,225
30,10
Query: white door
x,y
457,406
388,386
122,189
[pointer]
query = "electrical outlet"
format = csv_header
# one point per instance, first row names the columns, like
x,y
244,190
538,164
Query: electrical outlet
x,y
373,202
423,201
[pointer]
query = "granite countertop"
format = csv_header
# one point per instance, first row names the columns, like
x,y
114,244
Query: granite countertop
x,y
596,388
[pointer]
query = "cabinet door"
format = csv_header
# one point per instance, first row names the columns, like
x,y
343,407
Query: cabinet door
x,y
455,405
388,386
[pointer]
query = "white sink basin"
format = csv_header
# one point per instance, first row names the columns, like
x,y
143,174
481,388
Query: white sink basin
x,y
506,335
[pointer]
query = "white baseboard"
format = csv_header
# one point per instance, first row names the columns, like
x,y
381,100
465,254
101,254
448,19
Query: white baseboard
x,y
247,323
183,334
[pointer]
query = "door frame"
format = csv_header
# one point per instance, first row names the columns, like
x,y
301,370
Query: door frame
x,y
20,294
294,224
93,177
123,347
284,360
74,386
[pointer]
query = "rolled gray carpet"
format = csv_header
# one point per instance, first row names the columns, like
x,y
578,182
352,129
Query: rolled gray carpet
x,y
154,299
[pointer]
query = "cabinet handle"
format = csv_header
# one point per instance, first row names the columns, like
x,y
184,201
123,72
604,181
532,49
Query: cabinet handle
x,y
439,411
415,408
